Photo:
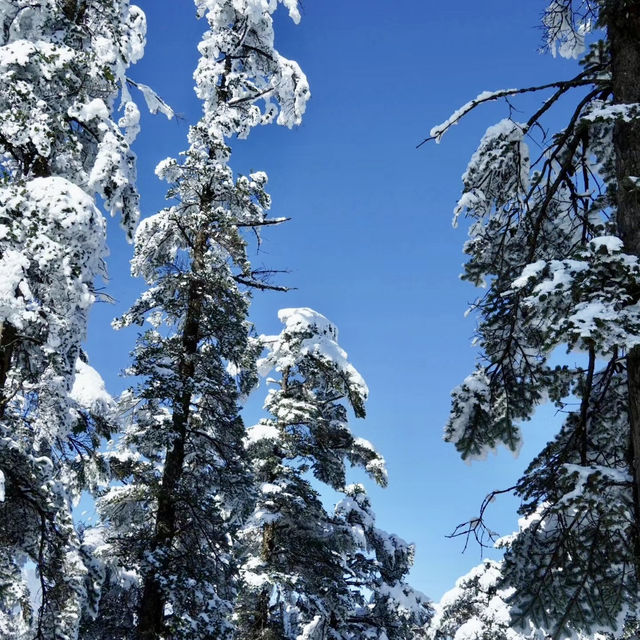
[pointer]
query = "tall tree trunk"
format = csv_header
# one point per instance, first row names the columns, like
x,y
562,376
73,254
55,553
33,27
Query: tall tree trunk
x,y
622,19
8,337
152,606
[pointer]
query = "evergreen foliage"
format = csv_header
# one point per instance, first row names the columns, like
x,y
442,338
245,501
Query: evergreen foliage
x,y
184,484
62,66
308,573
552,239
475,609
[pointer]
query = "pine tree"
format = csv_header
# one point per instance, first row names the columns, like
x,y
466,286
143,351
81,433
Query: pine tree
x,y
476,609
62,65
306,570
555,240
184,485
385,606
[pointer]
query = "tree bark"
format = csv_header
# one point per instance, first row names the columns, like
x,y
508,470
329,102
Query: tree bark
x,y
8,337
151,625
622,19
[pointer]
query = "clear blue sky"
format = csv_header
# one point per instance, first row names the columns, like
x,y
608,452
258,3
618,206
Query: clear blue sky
x,y
370,244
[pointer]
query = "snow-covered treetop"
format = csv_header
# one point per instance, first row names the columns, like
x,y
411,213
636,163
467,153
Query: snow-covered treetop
x,y
61,69
308,404
242,81
256,83
381,562
476,608
308,334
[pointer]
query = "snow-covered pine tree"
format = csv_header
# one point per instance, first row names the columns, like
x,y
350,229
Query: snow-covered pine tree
x,y
476,609
62,65
306,570
184,485
385,606
556,241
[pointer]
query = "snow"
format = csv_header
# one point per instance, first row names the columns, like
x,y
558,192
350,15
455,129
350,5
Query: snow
x,y
253,573
311,630
588,317
563,36
263,87
606,111
96,109
269,488
365,444
130,121
473,391
2,488
294,344
583,473
475,609
13,288
405,598
155,104
23,52
303,318
261,432
89,389
563,272
611,243
292,7
524,523
438,131
472,629
491,167
378,469
530,271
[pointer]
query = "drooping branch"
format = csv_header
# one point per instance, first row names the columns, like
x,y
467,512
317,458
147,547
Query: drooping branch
x,y
585,78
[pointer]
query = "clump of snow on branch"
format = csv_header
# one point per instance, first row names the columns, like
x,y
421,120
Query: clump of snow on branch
x,y
317,338
565,36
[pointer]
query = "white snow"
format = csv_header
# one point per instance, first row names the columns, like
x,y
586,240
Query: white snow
x,y
439,130
13,265
96,109
530,271
261,432
269,488
564,37
89,389
365,444
302,318
612,243
155,104
322,344
607,111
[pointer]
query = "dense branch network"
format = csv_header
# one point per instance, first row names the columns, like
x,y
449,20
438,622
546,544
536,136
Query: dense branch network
x,y
551,239
62,66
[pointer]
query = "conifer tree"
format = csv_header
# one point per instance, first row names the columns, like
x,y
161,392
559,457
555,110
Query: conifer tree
x,y
306,570
476,609
185,487
554,237
384,605
62,65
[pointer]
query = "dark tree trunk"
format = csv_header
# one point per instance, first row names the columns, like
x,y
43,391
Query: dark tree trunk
x,y
8,337
622,19
151,617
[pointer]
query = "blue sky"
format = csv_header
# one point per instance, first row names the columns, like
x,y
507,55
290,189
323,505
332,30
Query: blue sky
x,y
370,244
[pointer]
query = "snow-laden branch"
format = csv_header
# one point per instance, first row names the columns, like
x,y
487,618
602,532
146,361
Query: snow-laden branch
x,y
436,133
